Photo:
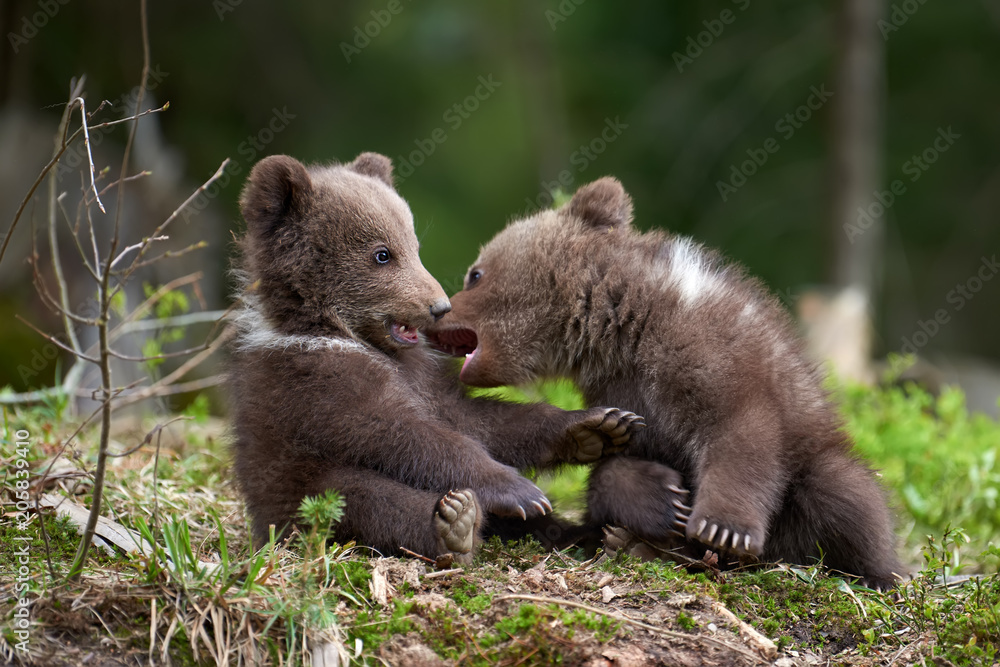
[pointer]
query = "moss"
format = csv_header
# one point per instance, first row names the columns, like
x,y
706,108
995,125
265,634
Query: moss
x,y
374,627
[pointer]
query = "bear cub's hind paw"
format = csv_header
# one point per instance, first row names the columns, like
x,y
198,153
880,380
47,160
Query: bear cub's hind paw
x,y
456,519
723,536
603,431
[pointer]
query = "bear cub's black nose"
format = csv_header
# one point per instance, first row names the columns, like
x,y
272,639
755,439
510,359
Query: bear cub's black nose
x,y
439,308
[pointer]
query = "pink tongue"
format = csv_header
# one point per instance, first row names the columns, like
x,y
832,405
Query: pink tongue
x,y
468,358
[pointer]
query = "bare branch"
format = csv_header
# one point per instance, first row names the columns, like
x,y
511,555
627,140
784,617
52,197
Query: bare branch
x,y
136,116
58,343
173,216
90,154
158,390
73,233
175,321
170,254
128,179
48,167
146,305
181,371
149,437
165,355
76,569
64,309
137,246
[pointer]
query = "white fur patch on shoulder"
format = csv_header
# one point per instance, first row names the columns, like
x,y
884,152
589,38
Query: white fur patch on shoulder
x,y
254,332
690,274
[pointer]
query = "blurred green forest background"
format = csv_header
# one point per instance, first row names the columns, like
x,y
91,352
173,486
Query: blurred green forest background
x,y
485,106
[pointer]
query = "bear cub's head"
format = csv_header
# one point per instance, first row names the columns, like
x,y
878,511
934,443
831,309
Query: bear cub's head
x,y
331,251
510,319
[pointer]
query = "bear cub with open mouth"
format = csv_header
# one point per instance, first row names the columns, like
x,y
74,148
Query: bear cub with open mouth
x,y
332,387
657,324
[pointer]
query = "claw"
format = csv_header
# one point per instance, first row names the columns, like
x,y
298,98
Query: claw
x,y
548,505
678,490
701,528
682,517
736,540
680,525
538,506
746,543
712,531
723,537
520,511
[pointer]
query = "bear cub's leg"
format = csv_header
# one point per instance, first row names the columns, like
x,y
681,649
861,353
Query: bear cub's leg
x,y
457,520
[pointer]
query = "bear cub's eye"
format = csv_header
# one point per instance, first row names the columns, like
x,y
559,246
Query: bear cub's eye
x,y
474,276
382,256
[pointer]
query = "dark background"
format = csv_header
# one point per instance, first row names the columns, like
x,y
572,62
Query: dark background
x,y
565,71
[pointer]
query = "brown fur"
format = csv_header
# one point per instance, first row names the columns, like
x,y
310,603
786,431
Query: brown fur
x,y
331,389
661,326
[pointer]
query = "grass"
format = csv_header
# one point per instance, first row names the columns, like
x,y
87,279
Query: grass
x,y
201,595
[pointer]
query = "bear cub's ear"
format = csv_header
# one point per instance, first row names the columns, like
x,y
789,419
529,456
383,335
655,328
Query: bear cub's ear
x,y
375,165
278,186
603,203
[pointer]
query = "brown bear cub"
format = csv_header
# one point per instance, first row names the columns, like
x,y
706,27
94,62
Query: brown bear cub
x,y
659,325
332,387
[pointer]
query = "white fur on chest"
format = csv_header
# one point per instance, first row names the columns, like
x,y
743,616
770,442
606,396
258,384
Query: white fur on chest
x,y
256,333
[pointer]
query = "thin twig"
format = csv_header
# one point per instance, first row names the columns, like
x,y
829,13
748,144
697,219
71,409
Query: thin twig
x,y
105,298
55,341
55,159
170,254
136,246
90,154
159,390
67,318
184,320
76,239
173,216
149,438
625,619
152,299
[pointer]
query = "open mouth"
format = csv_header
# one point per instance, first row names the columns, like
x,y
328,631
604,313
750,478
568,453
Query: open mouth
x,y
457,341
403,334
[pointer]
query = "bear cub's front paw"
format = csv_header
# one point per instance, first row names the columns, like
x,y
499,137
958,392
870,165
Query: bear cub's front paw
x,y
601,431
456,518
514,496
